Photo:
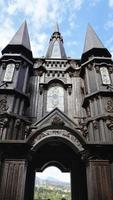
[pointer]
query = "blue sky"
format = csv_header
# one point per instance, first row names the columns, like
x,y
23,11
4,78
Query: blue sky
x,y
73,17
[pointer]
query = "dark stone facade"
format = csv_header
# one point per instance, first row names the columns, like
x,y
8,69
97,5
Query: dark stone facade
x,y
70,126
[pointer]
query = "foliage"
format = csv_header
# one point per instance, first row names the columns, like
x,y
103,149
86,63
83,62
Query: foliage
x,y
52,192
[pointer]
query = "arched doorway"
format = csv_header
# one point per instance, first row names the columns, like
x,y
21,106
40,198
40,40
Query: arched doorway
x,y
62,149
52,184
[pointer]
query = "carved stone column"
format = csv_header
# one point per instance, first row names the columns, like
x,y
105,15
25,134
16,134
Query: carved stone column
x,y
12,180
99,181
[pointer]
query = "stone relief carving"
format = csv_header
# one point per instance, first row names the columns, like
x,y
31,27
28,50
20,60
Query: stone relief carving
x,y
3,122
109,123
57,121
83,129
60,133
3,104
109,106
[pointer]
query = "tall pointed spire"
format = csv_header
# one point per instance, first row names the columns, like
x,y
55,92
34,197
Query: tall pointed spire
x,y
19,40
92,40
56,48
21,37
93,45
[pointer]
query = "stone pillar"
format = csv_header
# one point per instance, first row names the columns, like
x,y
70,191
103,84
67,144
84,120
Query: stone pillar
x,y
12,180
99,180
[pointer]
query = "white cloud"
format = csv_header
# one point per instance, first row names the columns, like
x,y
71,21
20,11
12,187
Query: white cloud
x,y
111,3
40,14
54,172
6,32
38,44
71,43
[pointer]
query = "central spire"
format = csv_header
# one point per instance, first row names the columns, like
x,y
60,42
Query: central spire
x,y
56,28
56,48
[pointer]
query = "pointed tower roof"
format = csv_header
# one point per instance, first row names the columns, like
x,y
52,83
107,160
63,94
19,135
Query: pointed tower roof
x,y
21,37
92,40
20,41
93,45
56,48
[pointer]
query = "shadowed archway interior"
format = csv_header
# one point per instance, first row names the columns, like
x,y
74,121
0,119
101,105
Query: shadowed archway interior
x,y
57,151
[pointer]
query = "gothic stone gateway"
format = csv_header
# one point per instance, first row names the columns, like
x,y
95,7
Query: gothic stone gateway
x,y
56,111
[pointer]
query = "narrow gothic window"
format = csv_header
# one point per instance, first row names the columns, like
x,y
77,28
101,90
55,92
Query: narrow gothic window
x,y
9,72
55,98
105,76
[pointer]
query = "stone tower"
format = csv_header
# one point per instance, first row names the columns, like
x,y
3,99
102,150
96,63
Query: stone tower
x,y
58,111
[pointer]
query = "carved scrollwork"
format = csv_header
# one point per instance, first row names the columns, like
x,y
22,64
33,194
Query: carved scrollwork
x,y
109,106
3,104
84,129
109,123
17,123
4,122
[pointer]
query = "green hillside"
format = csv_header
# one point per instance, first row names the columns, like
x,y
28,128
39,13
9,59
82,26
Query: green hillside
x,y
49,190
